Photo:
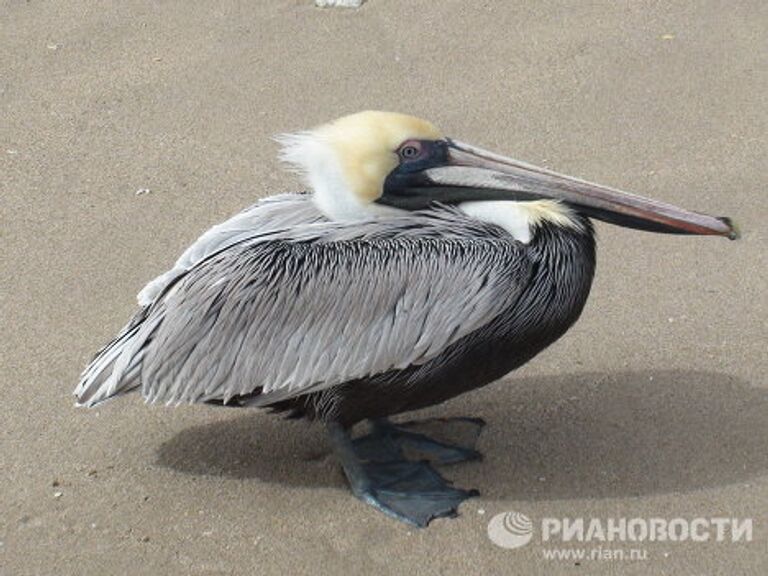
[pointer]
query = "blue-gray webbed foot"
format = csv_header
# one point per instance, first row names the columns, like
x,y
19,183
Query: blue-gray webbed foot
x,y
380,475
428,439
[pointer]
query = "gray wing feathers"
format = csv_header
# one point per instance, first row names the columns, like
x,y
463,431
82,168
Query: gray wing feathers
x,y
116,367
268,216
279,301
113,368
288,317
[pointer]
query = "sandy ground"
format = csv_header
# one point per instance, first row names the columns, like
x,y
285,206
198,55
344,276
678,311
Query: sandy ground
x,y
654,405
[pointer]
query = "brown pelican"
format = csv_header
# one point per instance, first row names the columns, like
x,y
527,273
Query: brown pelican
x,y
416,269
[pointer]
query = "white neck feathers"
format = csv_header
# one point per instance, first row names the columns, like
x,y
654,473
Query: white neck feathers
x,y
519,218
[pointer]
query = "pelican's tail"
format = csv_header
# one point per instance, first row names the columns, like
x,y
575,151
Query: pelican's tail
x,y
115,369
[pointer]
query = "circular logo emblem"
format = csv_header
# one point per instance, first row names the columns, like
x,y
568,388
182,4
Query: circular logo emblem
x,y
510,530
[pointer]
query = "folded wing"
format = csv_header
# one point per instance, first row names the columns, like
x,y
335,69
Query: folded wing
x,y
324,304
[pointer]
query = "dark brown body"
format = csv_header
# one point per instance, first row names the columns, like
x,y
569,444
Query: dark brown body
x,y
562,267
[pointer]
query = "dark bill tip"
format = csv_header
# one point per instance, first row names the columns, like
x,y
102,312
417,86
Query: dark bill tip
x,y
734,233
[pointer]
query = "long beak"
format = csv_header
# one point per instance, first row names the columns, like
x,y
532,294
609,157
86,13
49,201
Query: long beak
x,y
469,168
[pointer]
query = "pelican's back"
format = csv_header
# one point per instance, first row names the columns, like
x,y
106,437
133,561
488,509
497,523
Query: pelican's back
x,y
115,369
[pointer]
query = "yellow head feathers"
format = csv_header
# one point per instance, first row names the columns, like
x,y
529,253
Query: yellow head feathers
x,y
367,142
346,161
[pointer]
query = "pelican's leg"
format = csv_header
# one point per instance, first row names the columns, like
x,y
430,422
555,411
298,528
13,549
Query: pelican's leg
x,y
379,475
439,452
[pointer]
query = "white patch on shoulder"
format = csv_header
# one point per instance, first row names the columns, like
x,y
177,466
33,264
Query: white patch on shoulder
x,y
518,218
508,215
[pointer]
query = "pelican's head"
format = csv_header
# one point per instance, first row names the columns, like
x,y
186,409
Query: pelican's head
x,y
374,162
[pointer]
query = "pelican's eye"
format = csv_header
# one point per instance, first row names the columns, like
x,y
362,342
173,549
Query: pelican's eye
x,y
410,150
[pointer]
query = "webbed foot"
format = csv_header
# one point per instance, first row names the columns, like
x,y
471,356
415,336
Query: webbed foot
x,y
440,452
410,491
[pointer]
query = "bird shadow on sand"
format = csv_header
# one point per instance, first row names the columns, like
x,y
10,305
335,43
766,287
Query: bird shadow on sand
x,y
586,435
